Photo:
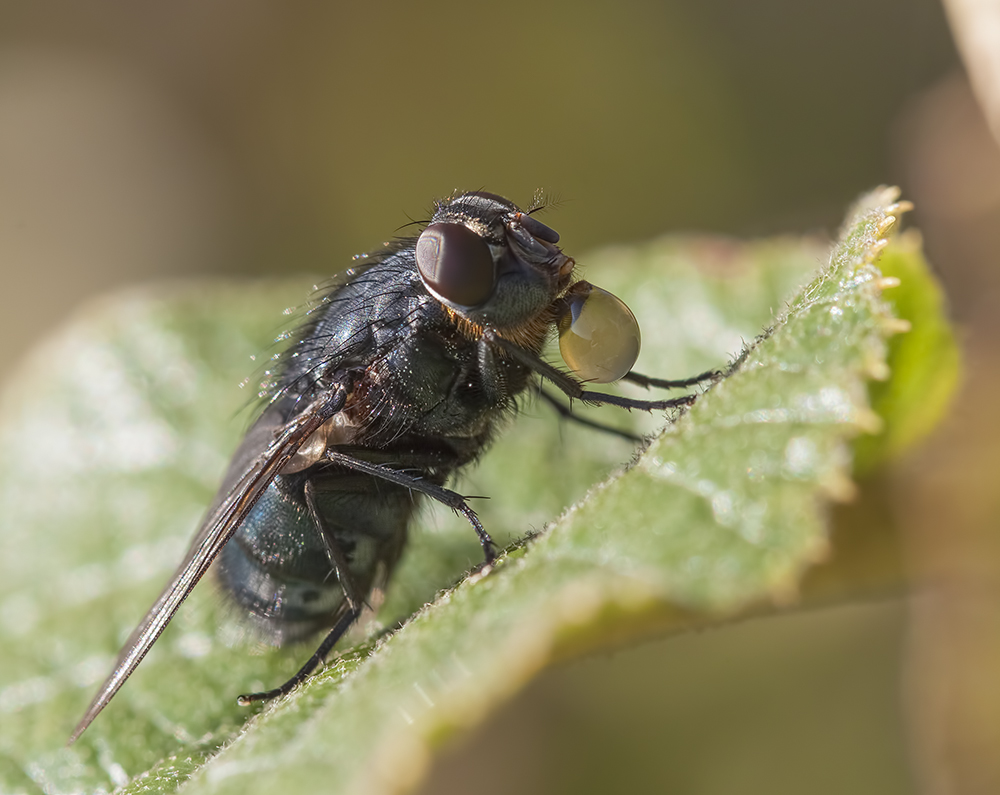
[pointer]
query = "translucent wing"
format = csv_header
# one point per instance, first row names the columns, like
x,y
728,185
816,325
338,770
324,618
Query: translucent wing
x,y
217,529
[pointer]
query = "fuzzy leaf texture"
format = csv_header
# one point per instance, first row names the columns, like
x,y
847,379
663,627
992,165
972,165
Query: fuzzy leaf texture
x,y
117,429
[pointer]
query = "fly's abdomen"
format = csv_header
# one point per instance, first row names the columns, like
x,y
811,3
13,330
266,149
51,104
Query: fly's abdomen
x,y
277,568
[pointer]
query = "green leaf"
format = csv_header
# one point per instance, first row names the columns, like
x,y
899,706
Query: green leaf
x,y
117,429
924,361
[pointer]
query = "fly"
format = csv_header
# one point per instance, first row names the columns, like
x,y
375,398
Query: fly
x,y
403,374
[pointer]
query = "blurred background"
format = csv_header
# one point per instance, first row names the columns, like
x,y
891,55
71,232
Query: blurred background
x,y
145,142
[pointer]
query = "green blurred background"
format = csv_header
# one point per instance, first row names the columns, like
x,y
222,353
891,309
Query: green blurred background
x,y
149,141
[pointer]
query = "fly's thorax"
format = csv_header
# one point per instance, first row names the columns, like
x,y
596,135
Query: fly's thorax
x,y
437,384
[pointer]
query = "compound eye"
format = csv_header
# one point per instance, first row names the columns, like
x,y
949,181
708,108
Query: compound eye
x,y
598,334
456,264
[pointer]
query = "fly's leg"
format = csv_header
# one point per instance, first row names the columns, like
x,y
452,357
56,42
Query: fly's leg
x,y
572,388
355,599
352,596
661,383
349,616
567,413
452,499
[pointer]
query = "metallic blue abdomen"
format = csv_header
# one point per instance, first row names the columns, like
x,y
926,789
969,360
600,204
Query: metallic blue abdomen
x,y
276,567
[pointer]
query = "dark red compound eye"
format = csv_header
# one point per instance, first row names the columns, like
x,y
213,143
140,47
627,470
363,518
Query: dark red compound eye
x,y
456,264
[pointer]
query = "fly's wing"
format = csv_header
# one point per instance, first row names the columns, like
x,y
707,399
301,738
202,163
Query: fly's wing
x,y
217,529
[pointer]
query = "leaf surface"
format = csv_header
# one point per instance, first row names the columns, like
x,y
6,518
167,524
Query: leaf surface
x,y
118,428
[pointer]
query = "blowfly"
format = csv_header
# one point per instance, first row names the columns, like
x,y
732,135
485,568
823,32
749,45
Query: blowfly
x,y
403,374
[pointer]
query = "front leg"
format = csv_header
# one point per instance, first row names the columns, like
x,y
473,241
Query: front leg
x,y
661,383
571,387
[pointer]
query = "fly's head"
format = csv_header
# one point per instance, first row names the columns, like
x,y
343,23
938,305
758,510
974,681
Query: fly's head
x,y
491,263
495,266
